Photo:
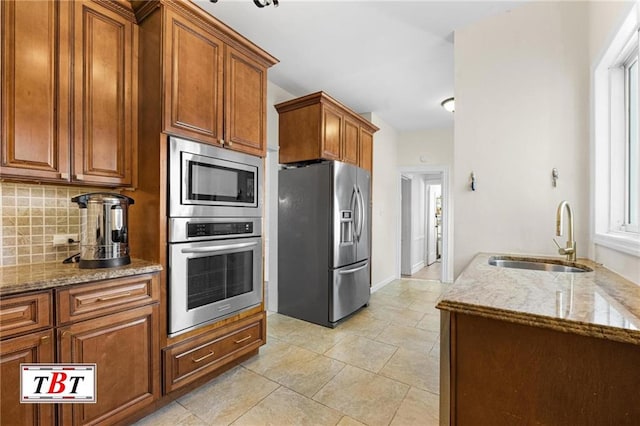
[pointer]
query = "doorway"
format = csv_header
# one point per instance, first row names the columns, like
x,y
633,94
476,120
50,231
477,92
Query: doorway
x,y
424,219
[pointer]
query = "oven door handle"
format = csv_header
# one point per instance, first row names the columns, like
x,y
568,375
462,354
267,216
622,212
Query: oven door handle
x,y
212,249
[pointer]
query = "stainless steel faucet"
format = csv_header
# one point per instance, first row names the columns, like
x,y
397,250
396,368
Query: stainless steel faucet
x,y
570,249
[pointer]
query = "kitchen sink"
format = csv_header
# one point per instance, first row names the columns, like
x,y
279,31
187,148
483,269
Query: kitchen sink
x,y
533,264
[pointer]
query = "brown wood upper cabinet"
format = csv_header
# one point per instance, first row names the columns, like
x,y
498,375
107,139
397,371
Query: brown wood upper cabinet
x,y
68,109
317,126
213,92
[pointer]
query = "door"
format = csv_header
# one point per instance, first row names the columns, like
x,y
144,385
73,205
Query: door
x,y
30,349
351,141
366,150
245,104
331,133
125,348
103,96
350,290
193,61
405,223
35,89
345,199
213,279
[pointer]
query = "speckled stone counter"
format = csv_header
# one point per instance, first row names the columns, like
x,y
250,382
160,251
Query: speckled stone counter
x,y
597,304
41,276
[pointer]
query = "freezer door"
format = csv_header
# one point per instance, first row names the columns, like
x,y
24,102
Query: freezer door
x,y
344,214
350,290
363,214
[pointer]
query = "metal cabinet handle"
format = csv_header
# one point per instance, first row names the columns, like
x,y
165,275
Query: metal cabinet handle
x,y
116,296
65,333
211,353
64,176
244,339
222,141
229,143
44,339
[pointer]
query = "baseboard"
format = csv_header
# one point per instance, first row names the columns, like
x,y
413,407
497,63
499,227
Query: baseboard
x,y
415,268
381,284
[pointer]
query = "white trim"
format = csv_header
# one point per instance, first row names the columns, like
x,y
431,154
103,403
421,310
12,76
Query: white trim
x,y
447,217
382,284
415,268
619,242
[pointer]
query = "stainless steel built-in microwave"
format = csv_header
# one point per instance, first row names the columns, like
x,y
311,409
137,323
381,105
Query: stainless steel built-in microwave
x,y
208,181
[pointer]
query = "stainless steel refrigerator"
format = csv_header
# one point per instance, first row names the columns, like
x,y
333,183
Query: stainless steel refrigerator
x,y
323,241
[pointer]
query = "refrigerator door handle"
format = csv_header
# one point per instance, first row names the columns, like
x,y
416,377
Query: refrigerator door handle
x,y
351,271
354,204
361,214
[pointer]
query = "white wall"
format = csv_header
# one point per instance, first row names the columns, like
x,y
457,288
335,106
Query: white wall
x,y
426,147
521,89
604,20
386,210
275,95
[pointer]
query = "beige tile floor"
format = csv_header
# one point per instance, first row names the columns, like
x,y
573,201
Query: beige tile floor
x,y
379,367
431,272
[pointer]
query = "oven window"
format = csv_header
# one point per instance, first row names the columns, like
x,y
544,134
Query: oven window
x,y
218,277
209,182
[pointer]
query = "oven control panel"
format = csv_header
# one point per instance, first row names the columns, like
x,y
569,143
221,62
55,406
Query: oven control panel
x,y
213,229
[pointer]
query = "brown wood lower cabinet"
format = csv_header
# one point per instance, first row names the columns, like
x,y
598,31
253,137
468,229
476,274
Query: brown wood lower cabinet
x,y
502,373
125,348
32,348
192,359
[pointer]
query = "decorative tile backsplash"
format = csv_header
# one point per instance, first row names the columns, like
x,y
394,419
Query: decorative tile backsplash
x,y
31,215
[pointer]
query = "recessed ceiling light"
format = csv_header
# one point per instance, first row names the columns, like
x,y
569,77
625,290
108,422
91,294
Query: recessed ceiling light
x,y
449,104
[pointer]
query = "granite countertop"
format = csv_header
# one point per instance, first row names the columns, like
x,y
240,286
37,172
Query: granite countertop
x,y
42,276
598,303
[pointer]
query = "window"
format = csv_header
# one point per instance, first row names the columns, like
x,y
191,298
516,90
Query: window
x,y
616,155
632,154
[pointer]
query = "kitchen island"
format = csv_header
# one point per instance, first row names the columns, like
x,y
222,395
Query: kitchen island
x,y
536,347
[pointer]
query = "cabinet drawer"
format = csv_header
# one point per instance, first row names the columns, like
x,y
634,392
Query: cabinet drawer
x,y
104,297
25,313
197,357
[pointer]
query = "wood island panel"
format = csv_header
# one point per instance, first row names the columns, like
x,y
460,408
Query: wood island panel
x,y
505,373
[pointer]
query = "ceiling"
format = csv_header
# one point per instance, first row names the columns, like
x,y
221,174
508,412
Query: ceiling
x,y
394,58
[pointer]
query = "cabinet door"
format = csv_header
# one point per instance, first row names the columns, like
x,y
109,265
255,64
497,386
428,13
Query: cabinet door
x,y
32,348
125,348
331,133
35,89
350,142
245,103
366,150
103,96
193,61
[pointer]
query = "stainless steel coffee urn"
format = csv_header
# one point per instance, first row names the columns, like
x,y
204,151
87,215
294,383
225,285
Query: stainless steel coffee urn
x,y
103,229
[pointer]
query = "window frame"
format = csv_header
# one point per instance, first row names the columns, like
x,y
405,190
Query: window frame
x,y
610,148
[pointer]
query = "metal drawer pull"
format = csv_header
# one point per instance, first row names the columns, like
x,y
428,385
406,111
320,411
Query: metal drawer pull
x,y
44,339
351,271
65,333
244,339
203,357
116,296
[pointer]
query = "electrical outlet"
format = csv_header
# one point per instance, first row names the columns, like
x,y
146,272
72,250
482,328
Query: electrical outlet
x,y
63,239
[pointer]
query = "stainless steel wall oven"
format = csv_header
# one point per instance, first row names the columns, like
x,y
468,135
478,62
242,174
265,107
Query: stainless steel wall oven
x,y
215,234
